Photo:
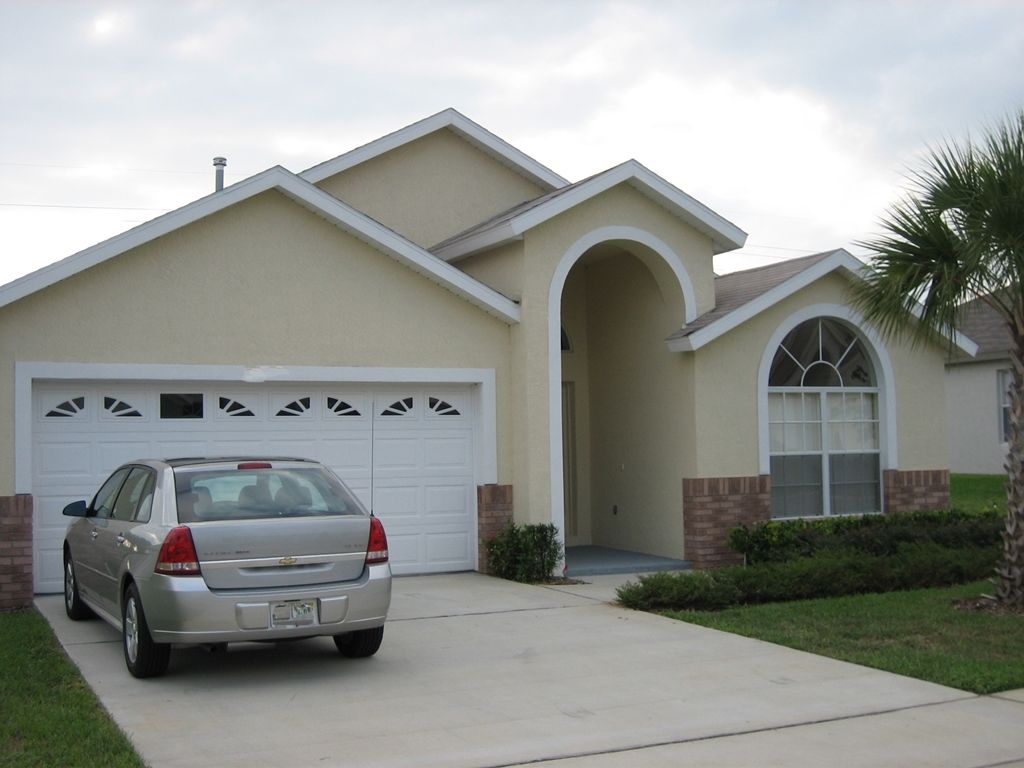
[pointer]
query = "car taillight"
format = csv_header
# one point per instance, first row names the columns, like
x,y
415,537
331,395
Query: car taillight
x,y
178,554
377,548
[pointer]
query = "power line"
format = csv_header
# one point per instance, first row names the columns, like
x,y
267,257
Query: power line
x,y
86,207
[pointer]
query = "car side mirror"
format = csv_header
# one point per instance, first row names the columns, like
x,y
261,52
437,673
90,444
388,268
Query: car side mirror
x,y
76,509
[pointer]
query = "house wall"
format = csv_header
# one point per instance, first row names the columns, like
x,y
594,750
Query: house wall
x,y
973,410
265,282
543,250
575,369
500,268
431,188
635,421
726,382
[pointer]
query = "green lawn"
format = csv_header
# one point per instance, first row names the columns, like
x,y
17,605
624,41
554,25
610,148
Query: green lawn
x,y
919,634
48,715
977,492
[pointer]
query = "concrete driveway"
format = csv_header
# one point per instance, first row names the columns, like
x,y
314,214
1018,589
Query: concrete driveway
x,y
475,671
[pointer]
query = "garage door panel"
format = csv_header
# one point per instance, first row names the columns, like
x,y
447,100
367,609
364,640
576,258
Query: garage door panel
x,y
111,454
349,456
396,502
447,549
447,451
395,453
422,455
64,462
444,500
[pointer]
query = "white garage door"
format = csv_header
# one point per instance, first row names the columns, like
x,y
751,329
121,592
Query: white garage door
x,y
417,439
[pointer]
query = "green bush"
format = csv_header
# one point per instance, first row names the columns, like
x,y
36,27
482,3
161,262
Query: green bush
x,y
826,574
526,553
783,540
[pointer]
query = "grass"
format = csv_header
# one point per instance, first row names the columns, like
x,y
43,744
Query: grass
x,y
975,493
48,715
918,633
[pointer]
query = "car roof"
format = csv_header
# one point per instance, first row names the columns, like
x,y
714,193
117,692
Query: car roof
x,y
192,461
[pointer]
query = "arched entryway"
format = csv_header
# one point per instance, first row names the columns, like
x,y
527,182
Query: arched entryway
x,y
617,431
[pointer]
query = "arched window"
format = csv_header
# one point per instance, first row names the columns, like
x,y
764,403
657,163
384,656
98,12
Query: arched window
x,y
823,423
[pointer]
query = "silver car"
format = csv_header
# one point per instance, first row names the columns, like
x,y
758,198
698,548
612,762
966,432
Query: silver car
x,y
221,550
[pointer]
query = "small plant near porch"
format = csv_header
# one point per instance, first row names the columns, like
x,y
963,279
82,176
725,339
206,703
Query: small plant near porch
x,y
526,553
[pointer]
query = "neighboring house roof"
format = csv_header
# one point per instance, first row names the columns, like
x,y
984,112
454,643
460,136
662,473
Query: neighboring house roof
x,y
740,296
306,194
986,328
461,125
511,225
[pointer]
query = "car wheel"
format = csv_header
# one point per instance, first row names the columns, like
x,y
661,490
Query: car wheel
x,y
73,605
143,657
361,643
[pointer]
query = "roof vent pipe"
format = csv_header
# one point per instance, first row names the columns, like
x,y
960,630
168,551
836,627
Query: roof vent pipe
x,y
219,163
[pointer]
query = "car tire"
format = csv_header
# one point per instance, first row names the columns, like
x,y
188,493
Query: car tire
x,y
73,605
142,656
361,643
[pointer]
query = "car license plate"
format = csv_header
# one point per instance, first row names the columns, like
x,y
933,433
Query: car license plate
x,y
293,613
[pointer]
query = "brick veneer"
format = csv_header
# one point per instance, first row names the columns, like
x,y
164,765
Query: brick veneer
x,y
714,505
15,552
494,512
915,490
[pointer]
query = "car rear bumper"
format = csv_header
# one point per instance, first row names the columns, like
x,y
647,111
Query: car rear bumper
x,y
183,610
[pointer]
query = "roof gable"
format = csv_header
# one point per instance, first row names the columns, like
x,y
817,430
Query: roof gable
x,y
986,328
741,296
303,193
452,120
511,225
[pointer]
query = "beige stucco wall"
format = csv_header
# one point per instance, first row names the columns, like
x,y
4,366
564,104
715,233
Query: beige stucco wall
x,y
499,268
543,249
726,396
576,369
265,282
432,188
974,410
636,425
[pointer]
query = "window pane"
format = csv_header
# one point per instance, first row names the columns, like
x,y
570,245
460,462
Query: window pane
x,y
775,407
793,408
776,437
796,486
181,406
855,483
812,408
784,372
821,375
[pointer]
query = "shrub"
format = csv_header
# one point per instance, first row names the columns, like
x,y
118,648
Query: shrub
x,y
782,540
524,553
827,574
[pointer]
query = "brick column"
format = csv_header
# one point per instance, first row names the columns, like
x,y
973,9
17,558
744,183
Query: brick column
x,y
15,552
714,505
915,490
494,512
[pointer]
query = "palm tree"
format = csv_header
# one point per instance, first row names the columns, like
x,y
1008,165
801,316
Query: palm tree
x,y
958,234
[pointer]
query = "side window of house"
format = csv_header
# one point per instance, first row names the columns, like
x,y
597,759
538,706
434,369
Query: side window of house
x,y
1004,406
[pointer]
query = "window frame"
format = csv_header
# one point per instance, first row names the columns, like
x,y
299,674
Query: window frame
x,y
1003,382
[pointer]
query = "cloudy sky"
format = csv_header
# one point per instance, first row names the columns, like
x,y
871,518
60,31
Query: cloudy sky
x,y
795,119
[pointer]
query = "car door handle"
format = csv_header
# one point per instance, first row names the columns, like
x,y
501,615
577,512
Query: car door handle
x,y
120,538
94,534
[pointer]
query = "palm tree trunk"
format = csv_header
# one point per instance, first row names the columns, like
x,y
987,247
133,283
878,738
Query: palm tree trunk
x,y
1010,572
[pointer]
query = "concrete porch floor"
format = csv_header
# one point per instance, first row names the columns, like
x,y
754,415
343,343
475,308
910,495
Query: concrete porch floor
x,y
592,560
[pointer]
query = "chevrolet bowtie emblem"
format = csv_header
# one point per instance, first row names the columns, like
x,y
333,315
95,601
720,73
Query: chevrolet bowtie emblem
x,y
288,561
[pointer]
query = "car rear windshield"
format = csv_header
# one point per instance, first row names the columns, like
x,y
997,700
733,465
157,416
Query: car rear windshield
x,y
229,493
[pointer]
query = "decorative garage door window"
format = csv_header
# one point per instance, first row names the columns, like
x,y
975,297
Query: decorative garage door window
x,y
340,407
401,407
117,408
823,423
301,406
67,408
441,407
230,407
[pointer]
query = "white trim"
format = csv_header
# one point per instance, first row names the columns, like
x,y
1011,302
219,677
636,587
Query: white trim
x,y
837,260
338,213
476,134
880,359
561,273
25,373
725,235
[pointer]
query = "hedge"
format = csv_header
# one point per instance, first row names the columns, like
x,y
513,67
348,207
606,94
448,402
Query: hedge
x,y
782,540
527,553
827,574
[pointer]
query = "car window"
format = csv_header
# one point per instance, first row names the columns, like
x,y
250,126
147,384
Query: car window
x,y
131,493
103,501
250,494
145,508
